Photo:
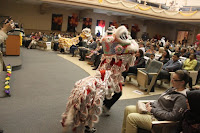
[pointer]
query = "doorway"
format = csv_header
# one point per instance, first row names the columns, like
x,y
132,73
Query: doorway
x,y
181,35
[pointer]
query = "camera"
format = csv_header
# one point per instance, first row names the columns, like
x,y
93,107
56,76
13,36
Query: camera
x,y
13,24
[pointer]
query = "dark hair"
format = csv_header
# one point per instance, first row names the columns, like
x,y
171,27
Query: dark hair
x,y
177,54
193,98
167,46
141,53
80,39
184,76
94,39
167,56
194,56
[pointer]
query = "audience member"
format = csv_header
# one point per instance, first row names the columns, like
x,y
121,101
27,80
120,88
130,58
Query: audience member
x,y
141,46
148,44
171,66
190,63
83,51
139,63
34,39
183,52
150,51
152,57
74,47
165,57
170,106
159,53
191,119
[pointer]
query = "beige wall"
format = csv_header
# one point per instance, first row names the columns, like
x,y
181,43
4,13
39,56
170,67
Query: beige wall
x,y
33,20
31,17
170,30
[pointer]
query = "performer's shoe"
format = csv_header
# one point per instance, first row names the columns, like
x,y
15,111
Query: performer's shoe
x,y
88,130
106,111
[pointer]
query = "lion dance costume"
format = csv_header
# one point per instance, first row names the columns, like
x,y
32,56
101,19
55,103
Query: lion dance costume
x,y
86,99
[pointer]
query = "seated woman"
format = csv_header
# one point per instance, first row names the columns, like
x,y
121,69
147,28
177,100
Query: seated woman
x,y
159,53
165,57
170,106
190,63
150,51
139,63
34,40
191,118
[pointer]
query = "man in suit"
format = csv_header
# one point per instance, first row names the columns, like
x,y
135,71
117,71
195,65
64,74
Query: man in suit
x,y
171,66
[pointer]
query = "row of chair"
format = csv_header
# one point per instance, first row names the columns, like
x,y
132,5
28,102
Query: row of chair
x,y
146,77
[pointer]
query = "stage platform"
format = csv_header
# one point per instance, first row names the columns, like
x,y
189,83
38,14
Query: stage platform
x,y
14,61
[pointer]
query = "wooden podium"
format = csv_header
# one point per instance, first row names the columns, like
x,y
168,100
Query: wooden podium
x,y
13,45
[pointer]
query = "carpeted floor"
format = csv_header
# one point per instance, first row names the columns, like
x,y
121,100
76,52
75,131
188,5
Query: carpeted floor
x,y
39,94
129,88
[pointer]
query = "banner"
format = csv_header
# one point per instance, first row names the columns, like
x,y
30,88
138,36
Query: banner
x,y
72,23
114,23
56,23
101,23
87,23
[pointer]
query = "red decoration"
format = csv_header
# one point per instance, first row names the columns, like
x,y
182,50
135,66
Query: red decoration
x,y
198,36
103,72
74,20
88,91
101,23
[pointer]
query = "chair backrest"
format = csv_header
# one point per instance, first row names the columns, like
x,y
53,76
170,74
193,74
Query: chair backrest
x,y
198,57
147,63
197,67
154,66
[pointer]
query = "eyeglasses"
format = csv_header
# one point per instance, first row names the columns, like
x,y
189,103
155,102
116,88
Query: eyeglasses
x,y
176,80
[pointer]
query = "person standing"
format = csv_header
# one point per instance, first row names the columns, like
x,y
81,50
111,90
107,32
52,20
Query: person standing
x,y
6,27
3,35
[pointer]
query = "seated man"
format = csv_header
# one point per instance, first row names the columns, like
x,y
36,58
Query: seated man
x,y
171,66
83,51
